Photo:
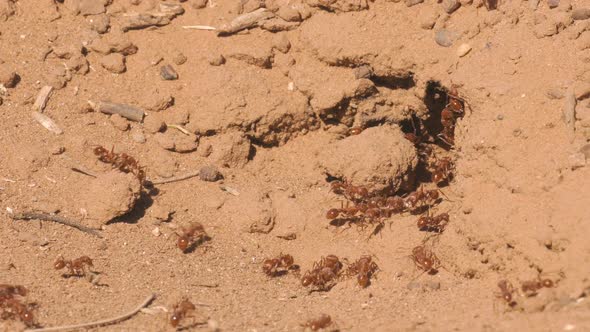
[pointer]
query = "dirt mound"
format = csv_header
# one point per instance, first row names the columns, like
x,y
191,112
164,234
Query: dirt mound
x,y
439,149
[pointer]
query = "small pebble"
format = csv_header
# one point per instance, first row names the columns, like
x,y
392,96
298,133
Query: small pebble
x,y
463,49
156,231
119,122
168,73
363,72
165,142
581,14
450,6
213,325
114,62
137,136
500,117
209,173
179,58
444,38
8,78
411,3
198,4
552,3
216,60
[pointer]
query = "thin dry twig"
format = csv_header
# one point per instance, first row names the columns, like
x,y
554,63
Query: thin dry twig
x,y
199,27
176,178
42,98
179,128
126,111
245,21
103,322
47,122
28,215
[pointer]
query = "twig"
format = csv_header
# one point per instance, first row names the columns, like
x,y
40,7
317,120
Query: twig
x,y
176,178
42,98
83,170
245,21
126,111
103,322
199,27
206,285
179,128
47,122
569,112
55,218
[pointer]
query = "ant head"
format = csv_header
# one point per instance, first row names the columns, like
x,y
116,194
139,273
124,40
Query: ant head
x,y
427,263
422,222
175,319
363,280
59,263
27,317
332,214
183,243
99,150
287,260
20,290
548,283
437,177
306,280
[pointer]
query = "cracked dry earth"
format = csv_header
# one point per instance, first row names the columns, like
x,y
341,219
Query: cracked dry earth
x,y
269,118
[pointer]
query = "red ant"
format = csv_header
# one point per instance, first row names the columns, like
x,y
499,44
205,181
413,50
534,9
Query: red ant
x,y
425,259
427,197
433,224
531,287
442,170
320,323
449,115
364,268
271,266
121,161
191,236
75,267
352,193
180,311
13,308
506,291
324,273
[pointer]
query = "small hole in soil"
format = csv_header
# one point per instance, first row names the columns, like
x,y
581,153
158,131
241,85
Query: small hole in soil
x,y
394,82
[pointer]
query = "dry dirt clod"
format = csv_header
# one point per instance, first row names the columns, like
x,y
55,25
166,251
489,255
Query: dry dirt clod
x,y
450,6
114,62
168,73
100,23
119,122
154,124
379,157
198,4
216,60
209,173
444,37
581,14
109,196
9,78
179,58
411,3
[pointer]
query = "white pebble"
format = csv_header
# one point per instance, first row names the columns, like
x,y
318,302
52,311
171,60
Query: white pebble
x,y
463,49
156,231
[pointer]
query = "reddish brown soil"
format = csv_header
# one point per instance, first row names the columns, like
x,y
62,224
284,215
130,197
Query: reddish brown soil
x,y
274,120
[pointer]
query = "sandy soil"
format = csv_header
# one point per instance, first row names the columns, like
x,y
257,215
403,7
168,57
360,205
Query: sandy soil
x,y
319,91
